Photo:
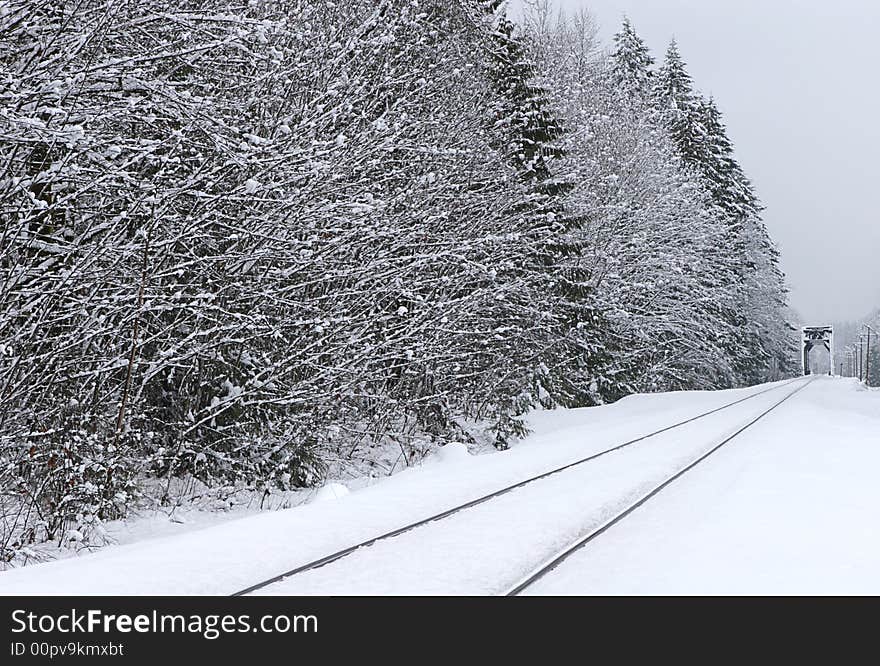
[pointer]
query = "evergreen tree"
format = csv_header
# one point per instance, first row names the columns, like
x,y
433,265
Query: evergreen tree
x,y
563,373
756,311
716,160
765,335
631,62
522,112
696,127
675,98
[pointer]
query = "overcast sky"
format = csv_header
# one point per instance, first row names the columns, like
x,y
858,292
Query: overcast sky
x,y
797,82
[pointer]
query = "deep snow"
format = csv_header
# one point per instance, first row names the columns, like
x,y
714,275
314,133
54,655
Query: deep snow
x,y
813,459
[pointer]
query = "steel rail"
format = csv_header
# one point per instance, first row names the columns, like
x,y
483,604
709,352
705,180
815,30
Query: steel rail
x,y
551,564
333,557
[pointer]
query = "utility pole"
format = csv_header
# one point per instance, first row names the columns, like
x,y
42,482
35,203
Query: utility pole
x,y
858,352
868,354
868,358
861,356
861,361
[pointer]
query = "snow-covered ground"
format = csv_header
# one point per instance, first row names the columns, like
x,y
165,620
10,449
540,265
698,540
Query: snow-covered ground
x,y
791,507
787,507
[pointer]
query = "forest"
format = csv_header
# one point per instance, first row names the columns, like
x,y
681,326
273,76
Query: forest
x,y
242,240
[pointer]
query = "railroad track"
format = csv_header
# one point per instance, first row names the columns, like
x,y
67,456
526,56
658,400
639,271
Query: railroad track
x,y
552,563
338,555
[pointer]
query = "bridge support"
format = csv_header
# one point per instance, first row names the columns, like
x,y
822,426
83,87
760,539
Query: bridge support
x,y
817,335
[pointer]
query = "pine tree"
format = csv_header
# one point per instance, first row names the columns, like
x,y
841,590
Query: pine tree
x,y
702,144
631,62
715,160
756,311
723,176
534,135
696,127
575,367
523,112
675,98
765,335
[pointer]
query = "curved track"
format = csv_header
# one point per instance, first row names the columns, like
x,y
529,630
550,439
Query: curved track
x,y
333,557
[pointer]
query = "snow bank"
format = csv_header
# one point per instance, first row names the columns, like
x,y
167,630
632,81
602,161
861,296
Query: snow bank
x,y
245,550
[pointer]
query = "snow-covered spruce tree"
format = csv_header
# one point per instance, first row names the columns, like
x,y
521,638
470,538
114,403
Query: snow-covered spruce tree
x,y
758,317
675,97
632,62
657,253
525,135
652,250
768,340
522,114
532,140
696,129
776,338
